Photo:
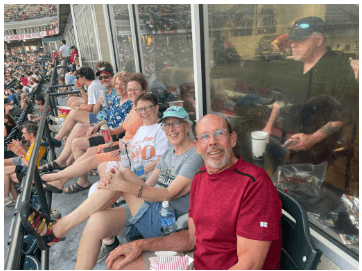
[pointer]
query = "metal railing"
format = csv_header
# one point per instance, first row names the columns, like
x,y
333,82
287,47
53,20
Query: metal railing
x,y
13,256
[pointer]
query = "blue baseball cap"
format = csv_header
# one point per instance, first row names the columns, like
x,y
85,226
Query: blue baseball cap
x,y
303,28
175,112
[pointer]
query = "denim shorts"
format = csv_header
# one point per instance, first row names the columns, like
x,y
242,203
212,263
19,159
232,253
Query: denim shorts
x,y
146,221
17,161
92,118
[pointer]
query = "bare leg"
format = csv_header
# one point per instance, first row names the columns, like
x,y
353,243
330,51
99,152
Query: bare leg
x,y
99,200
89,153
78,130
99,226
76,170
13,191
137,264
70,160
7,180
72,119
80,146
13,179
8,162
74,99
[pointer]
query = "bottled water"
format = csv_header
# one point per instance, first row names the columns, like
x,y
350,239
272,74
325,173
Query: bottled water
x,y
138,166
168,219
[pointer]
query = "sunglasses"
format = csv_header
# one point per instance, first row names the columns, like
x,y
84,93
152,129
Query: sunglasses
x,y
79,76
104,76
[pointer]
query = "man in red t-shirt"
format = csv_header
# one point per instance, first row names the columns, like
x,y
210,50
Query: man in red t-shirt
x,y
234,215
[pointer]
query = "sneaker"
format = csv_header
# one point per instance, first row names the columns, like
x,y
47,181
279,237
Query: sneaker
x,y
106,249
57,120
55,128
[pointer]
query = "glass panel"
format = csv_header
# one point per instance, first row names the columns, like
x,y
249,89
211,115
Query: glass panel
x,y
122,37
86,35
167,53
292,71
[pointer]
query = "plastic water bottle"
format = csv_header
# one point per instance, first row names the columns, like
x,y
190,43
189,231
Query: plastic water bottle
x,y
138,166
168,219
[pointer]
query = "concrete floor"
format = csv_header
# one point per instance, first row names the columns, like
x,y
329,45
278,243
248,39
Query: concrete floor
x,y
64,254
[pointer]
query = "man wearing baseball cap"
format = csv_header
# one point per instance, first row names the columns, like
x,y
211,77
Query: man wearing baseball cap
x,y
327,84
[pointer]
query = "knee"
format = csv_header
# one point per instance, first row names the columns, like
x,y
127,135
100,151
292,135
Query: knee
x,y
116,262
75,143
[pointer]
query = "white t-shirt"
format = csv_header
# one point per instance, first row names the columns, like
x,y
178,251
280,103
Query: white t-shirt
x,y
93,91
149,142
65,50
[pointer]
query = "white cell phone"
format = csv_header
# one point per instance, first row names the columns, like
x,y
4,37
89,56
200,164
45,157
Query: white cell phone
x,y
290,142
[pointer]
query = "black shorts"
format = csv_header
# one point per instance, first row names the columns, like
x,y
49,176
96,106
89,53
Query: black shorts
x,y
95,141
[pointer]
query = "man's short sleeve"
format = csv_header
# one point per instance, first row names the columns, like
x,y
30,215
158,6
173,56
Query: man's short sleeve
x,y
94,92
260,211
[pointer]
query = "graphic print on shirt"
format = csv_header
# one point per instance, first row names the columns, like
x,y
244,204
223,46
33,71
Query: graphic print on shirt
x,y
144,149
166,178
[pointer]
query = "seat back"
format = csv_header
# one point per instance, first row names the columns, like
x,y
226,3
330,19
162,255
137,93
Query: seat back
x,y
299,251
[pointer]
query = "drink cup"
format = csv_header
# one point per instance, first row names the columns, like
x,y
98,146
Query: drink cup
x,y
179,103
258,144
29,117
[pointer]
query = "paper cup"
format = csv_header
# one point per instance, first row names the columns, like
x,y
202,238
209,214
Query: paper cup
x,y
179,103
258,144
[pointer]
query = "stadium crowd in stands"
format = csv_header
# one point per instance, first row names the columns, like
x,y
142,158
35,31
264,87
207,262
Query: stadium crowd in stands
x,y
20,12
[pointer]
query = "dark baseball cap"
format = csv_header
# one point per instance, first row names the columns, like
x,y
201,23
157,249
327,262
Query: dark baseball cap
x,y
303,28
105,70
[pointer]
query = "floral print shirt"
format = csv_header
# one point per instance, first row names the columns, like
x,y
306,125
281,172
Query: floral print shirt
x,y
117,113
102,114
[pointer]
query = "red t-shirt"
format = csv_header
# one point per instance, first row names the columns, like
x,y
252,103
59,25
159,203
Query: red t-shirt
x,y
72,56
24,81
241,200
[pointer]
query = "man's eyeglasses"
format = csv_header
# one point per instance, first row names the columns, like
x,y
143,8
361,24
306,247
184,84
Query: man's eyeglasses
x,y
79,76
175,124
219,134
147,109
134,89
24,133
104,76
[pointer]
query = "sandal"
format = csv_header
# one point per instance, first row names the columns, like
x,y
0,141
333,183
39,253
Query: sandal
x,y
75,188
51,166
34,222
9,202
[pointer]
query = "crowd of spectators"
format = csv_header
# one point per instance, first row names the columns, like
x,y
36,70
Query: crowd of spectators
x,y
18,12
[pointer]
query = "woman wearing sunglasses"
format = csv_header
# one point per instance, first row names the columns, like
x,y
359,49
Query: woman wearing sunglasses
x,y
94,156
171,180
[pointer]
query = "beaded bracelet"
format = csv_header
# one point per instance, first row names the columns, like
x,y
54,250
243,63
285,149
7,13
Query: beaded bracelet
x,y
140,191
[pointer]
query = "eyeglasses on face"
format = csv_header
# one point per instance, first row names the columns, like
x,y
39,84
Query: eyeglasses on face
x,y
104,77
79,76
134,89
147,109
175,124
219,134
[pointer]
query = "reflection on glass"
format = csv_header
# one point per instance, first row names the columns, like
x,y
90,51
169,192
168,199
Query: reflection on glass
x,y
86,35
293,75
122,30
167,53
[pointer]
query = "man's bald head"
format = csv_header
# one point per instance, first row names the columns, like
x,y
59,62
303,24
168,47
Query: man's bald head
x,y
211,117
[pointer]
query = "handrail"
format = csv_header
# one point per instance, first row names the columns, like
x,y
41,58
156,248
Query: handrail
x,y
14,253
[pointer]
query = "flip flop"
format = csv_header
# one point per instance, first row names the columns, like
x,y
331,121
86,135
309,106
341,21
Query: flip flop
x,y
52,166
75,188
51,188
